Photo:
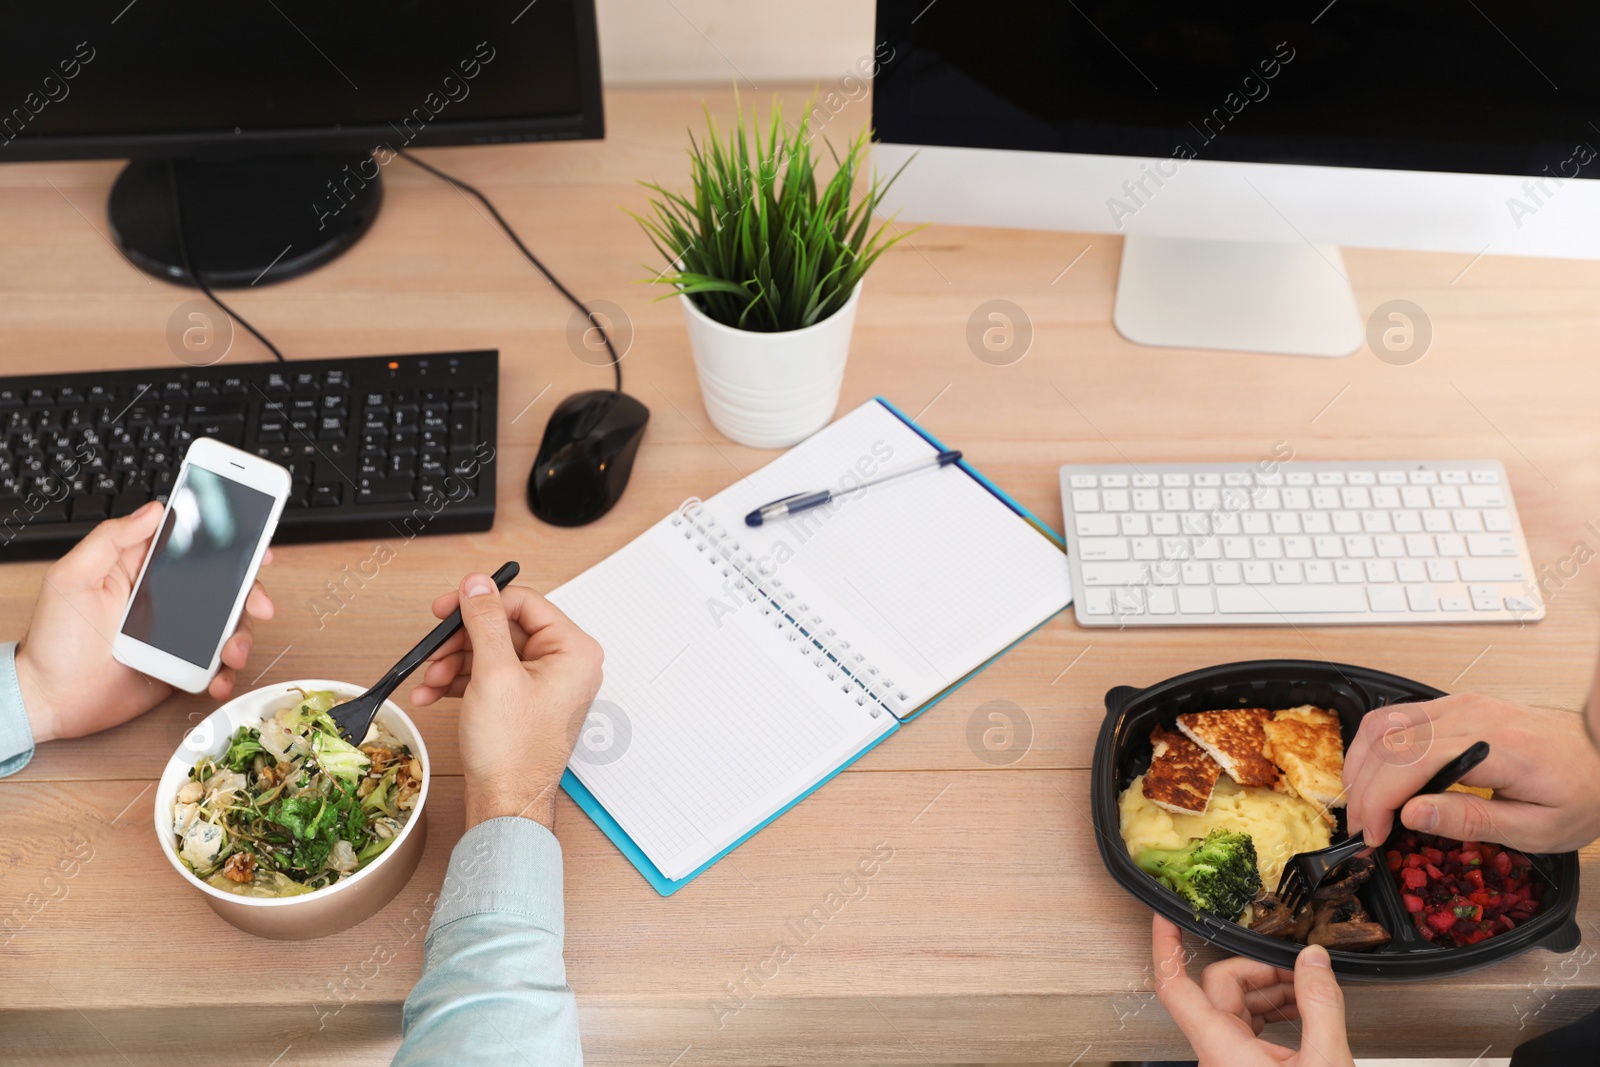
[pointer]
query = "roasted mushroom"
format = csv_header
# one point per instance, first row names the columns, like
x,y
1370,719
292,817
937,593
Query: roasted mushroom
x,y
1334,918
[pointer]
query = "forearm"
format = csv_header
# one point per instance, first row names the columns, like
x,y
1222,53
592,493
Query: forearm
x,y
16,736
493,988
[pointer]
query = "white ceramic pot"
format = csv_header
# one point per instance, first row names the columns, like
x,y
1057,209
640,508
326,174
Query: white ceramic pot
x,y
770,390
326,911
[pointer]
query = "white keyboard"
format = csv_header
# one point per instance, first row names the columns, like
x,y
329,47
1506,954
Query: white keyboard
x,y
1296,543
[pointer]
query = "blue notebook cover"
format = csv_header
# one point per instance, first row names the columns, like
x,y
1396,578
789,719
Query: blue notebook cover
x,y
666,886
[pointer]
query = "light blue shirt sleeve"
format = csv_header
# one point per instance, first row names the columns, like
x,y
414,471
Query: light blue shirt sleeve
x,y
16,737
493,990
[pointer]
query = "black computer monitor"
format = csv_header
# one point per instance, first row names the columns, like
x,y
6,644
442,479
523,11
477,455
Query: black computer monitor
x,y
270,123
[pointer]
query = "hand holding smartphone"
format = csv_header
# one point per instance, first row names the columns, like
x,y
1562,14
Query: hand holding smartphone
x,y
218,522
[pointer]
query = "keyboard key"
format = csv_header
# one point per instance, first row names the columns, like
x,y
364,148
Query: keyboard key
x,y
1097,548
1345,522
1358,546
1424,478
1175,499
1287,572
1114,481
1146,500
1385,497
1077,481
1163,525
1104,574
1208,481
1195,524
1161,600
386,490
1085,500
1258,572
1406,521
1146,481
1386,598
1491,570
1441,570
1454,603
1128,601
1115,499
1295,499
1355,497
1445,496
1420,597
1132,525
1330,477
1521,604
1097,601
1484,597
1454,544
1325,499
1391,477
1411,570
1489,545
1290,599
1236,547
1349,571
1483,496
1453,477
1096,525
1195,600
1485,477
1467,521
1389,546
1300,478
1175,480
1497,521
1297,547
1147,548
1376,522
128,503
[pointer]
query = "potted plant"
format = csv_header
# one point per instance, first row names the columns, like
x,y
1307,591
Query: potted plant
x,y
767,263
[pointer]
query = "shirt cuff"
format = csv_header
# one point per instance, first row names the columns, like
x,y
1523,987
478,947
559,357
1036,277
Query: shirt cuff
x,y
508,865
16,736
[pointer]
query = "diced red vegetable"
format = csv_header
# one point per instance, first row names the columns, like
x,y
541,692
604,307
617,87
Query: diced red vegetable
x,y
1462,892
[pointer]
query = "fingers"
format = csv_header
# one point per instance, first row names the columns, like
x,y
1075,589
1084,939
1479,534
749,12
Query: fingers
x,y
1320,1003
484,614
1185,1001
423,695
102,549
258,605
1468,817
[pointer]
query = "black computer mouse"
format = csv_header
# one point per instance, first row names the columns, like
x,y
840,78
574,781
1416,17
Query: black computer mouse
x,y
586,456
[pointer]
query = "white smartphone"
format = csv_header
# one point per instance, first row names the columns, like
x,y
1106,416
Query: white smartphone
x,y
219,520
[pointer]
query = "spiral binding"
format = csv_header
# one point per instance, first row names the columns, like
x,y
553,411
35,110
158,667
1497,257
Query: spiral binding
x,y
819,643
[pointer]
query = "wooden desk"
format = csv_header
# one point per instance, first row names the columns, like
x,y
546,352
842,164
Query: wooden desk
x,y
994,933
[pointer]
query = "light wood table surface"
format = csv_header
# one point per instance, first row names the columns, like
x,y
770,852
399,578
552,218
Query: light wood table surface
x,y
994,933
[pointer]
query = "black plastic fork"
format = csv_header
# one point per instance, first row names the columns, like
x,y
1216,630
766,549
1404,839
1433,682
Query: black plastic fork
x,y
1306,871
355,716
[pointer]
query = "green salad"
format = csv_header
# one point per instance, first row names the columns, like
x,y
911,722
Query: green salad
x,y
292,807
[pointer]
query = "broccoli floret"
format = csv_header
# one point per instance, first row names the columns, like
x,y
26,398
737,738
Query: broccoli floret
x,y
1218,874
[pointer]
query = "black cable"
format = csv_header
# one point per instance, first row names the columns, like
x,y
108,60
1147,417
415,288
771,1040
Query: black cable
x,y
194,276
605,335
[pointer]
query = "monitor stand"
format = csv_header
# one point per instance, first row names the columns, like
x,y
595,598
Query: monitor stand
x,y
250,221
1289,299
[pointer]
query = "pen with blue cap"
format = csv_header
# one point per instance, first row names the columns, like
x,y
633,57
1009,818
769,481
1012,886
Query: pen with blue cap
x,y
799,502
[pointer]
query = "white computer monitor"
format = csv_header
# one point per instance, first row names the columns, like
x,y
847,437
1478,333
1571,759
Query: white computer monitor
x,y
1236,147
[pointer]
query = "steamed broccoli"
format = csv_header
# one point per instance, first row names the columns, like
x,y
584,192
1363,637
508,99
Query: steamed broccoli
x,y
1218,874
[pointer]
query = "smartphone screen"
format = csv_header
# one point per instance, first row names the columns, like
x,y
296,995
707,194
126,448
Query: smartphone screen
x,y
201,559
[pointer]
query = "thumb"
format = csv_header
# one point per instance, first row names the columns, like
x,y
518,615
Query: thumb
x,y
484,615
1469,817
94,557
1321,1004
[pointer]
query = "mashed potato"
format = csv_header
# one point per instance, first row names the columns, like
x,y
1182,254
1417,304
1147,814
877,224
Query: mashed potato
x,y
1279,825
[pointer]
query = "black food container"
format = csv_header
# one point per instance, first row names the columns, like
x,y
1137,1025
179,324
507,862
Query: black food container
x,y
1123,752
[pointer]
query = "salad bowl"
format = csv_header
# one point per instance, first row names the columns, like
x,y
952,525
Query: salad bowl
x,y
320,912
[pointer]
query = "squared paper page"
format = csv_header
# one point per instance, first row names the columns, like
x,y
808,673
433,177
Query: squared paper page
x,y
927,576
727,723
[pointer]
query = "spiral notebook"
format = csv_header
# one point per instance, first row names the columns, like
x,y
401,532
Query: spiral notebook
x,y
745,667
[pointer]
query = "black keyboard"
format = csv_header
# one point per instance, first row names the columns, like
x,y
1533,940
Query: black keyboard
x,y
378,446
